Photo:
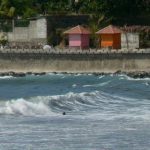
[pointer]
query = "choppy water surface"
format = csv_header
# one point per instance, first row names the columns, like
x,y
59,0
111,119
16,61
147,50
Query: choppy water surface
x,y
110,112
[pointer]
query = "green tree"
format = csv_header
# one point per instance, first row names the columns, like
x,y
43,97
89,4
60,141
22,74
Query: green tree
x,y
111,9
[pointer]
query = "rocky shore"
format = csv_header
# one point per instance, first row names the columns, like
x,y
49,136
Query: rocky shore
x,y
135,75
20,74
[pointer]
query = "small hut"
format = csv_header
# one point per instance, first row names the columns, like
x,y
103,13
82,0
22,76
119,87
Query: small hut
x,y
78,37
110,37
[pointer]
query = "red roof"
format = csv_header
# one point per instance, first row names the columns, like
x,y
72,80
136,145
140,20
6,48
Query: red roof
x,y
77,30
109,30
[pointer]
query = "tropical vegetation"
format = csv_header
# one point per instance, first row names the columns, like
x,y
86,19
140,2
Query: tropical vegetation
x,y
108,8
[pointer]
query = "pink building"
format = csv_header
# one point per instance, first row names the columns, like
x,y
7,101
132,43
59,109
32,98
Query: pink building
x,y
78,37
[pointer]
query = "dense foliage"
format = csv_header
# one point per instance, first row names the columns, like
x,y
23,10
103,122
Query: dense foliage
x,y
108,8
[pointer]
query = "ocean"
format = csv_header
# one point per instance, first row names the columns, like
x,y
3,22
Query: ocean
x,y
109,112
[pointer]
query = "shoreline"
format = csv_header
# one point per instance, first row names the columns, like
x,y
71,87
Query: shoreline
x,y
135,74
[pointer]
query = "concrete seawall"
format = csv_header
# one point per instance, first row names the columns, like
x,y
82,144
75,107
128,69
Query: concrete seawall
x,y
108,63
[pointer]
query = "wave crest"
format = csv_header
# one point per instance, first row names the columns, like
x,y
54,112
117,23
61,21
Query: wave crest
x,y
23,107
74,103
48,105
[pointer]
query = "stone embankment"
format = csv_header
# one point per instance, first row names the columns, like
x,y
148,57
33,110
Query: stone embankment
x,y
19,62
21,74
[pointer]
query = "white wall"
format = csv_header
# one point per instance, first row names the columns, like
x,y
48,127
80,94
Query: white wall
x,y
130,40
20,34
41,28
35,32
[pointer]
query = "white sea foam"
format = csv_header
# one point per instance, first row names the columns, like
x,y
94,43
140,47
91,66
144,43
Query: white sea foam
x,y
55,74
100,77
62,77
78,74
24,107
87,85
89,74
138,114
74,85
50,73
6,77
97,85
138,79
147,84
132,79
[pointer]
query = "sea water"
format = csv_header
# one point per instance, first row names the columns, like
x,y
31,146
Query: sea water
x,y
110,112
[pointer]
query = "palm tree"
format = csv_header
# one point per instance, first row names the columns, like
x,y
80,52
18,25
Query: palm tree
x,y
6,9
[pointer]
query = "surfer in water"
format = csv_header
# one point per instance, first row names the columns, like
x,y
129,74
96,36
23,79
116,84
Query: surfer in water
x,y
64,113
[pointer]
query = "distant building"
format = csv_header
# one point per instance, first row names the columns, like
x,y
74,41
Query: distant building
x,y
35,33
78,37
40,29
130,40
130,37
110,37
48,30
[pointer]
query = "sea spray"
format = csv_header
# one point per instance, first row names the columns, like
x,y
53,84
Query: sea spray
x,y
6,77
24,107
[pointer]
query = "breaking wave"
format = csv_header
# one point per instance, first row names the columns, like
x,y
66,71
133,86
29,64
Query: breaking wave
x,y
24,107
93,104
47,105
